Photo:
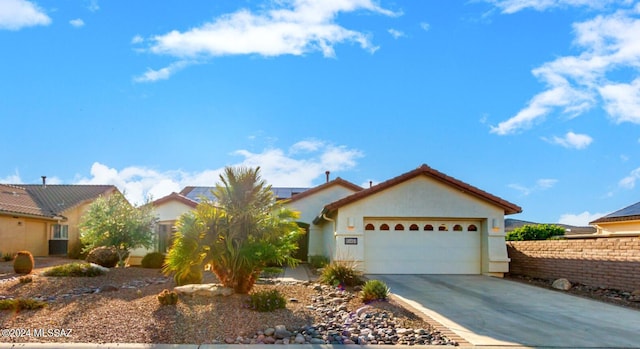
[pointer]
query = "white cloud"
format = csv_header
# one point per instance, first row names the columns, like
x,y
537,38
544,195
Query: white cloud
x,y
18,14
513,6
295,28
93,6
138,39
12,179
163,73
575,84
396,33
425,26
77,22
629,182
277,167
572,140
541,184
580,219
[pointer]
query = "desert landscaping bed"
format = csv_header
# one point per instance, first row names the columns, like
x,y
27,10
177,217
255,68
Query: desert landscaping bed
x,y
122,307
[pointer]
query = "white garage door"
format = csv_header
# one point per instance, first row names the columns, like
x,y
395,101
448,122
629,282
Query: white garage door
x,y
423,251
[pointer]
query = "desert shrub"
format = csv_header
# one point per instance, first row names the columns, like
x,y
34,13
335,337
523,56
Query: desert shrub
x,y
266,300
104,256
341,273
18,304
318,262
74,270
272,272
7,256
374,290
153,260
193,275
167,297
23,262
25,279
76,251
535,232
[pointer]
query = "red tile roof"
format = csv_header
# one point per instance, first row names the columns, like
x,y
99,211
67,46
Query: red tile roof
x,y
424,170
177,197
338,181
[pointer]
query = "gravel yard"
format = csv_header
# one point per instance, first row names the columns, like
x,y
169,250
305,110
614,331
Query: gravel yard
x,y
84,310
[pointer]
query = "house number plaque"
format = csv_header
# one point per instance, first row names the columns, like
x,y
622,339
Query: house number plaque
x,y
350,241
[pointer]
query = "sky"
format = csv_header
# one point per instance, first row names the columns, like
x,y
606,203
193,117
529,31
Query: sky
x,y
535,101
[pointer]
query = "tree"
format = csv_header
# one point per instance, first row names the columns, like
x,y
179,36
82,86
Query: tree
x,y
535,232
112,221
239,233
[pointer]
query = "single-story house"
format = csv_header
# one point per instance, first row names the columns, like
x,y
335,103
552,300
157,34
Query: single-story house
x,y
44,219
167,210
625,221
421,222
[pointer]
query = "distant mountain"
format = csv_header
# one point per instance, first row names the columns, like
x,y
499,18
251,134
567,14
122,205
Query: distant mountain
x,y
511,224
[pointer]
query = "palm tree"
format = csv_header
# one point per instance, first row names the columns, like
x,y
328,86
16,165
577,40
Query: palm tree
x,y
239,233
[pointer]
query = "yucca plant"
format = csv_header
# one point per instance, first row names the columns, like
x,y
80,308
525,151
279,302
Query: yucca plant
x,y
374,290
341,273
23,262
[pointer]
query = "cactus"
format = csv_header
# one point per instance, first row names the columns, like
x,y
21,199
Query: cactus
x,y
23,263
167,297
374,290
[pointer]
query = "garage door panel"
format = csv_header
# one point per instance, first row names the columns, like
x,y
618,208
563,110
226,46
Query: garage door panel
x,y
422,252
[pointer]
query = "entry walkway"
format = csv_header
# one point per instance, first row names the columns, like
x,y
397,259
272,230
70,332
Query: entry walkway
x,y
488,311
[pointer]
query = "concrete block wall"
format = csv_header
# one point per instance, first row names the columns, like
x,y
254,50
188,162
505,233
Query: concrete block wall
x,y
612,262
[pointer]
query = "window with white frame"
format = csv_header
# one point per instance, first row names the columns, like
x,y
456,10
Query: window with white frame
x,y
60,232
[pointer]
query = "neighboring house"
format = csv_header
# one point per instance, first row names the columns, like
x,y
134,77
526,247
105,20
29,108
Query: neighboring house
x,y
167,210
421,222
44,219
625,221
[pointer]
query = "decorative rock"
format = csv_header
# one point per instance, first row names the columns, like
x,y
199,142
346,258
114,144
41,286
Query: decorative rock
x,y
98,266
269,331
300,339
316,341
107,288
562,284
281,332
269,340
206,290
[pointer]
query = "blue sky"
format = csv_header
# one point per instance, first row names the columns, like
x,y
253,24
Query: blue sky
x,y
536,101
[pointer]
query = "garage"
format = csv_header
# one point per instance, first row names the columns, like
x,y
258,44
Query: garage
x,y
422,247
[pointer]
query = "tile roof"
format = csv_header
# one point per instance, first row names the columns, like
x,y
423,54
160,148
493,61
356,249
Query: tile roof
x,y
337,181
424,170
175,196
48,200
628,213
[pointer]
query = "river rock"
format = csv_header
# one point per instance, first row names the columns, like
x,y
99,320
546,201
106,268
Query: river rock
x,y
206,290
561,284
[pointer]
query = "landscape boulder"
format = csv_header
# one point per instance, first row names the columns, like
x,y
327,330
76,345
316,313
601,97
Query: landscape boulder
x,y
206,290
562,284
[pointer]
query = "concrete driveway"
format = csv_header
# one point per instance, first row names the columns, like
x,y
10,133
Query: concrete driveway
x,y
488,311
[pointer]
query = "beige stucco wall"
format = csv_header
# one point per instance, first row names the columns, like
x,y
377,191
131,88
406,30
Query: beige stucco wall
x,y
626,227
309,208
23,234
419,198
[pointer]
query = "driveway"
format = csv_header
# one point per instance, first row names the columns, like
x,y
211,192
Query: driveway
x,y
494,312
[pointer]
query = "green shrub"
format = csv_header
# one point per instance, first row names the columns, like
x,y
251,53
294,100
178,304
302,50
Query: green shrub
x,y
18,304
341,273
267,300
23,262
74,270
8,256
153,260
193,275
374,290
75,252
167,297
272,272
535,232
318,262
104,256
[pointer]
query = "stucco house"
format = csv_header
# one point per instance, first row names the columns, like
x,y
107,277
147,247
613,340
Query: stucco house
x,y
167,210
625,221
44,219
421,222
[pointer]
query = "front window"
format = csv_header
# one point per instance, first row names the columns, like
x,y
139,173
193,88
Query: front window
x,y
60,232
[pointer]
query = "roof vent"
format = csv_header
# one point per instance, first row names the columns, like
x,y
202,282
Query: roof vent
x,y
327,173
44,181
